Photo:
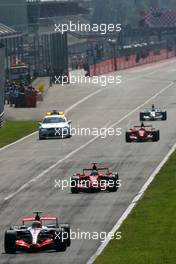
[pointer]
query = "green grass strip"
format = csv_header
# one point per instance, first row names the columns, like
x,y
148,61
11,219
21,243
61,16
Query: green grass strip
x,y
14,130
149,233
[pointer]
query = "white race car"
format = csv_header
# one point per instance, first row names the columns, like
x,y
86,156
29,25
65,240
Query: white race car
x,y
55,125
153,114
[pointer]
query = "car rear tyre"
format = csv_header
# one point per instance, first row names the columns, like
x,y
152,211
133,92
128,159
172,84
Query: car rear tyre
x,y
156,136
60,242
114,187
67,230
128,134
164,117
74,187
74,190
62,247
141,117
117,180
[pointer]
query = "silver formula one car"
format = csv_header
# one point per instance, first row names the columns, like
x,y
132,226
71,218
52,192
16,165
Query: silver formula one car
x,y
37,234
153,114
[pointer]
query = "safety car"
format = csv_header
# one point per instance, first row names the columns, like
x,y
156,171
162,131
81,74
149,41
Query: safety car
x,y
55,125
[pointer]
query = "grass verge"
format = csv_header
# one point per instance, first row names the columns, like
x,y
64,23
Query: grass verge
x,y
14,130
149,233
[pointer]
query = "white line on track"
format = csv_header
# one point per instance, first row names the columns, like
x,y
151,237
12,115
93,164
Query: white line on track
x,y
132,205
83,146
82,100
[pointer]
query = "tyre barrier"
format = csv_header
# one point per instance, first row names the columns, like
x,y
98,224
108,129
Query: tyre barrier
x,y
130,61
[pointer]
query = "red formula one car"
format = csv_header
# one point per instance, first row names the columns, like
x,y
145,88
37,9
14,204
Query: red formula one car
x,y
142,133
37,234
95,179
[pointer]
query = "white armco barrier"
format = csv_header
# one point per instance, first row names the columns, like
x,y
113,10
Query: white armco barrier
x,y
2,79
1,119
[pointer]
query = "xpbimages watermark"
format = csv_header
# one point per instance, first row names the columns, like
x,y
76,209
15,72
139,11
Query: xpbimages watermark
x,y
102,132
65,184
86,235
102,80
81,27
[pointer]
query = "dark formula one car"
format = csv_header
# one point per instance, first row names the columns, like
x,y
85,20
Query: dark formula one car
x,y
95,179
37,234
142,134
153,114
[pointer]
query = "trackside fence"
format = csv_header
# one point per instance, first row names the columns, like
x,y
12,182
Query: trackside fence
x,y
130,61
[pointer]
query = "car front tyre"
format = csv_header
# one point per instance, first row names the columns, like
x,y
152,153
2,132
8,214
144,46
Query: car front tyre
x,y
10,242
41,137
156,136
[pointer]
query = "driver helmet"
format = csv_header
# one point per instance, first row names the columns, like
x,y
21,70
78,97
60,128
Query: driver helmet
x,y
94,172
153,106
36,224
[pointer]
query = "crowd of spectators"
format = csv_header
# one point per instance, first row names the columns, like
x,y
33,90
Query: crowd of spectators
x,y
20,94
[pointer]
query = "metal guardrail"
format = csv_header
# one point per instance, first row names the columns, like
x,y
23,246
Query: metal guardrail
x,y
1,119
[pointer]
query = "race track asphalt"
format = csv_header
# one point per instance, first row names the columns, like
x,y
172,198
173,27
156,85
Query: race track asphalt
x,y
27,180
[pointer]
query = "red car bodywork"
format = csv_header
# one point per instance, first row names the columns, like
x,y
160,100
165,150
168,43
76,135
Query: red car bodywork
x,y
22,243
44,218
142,134
103,180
